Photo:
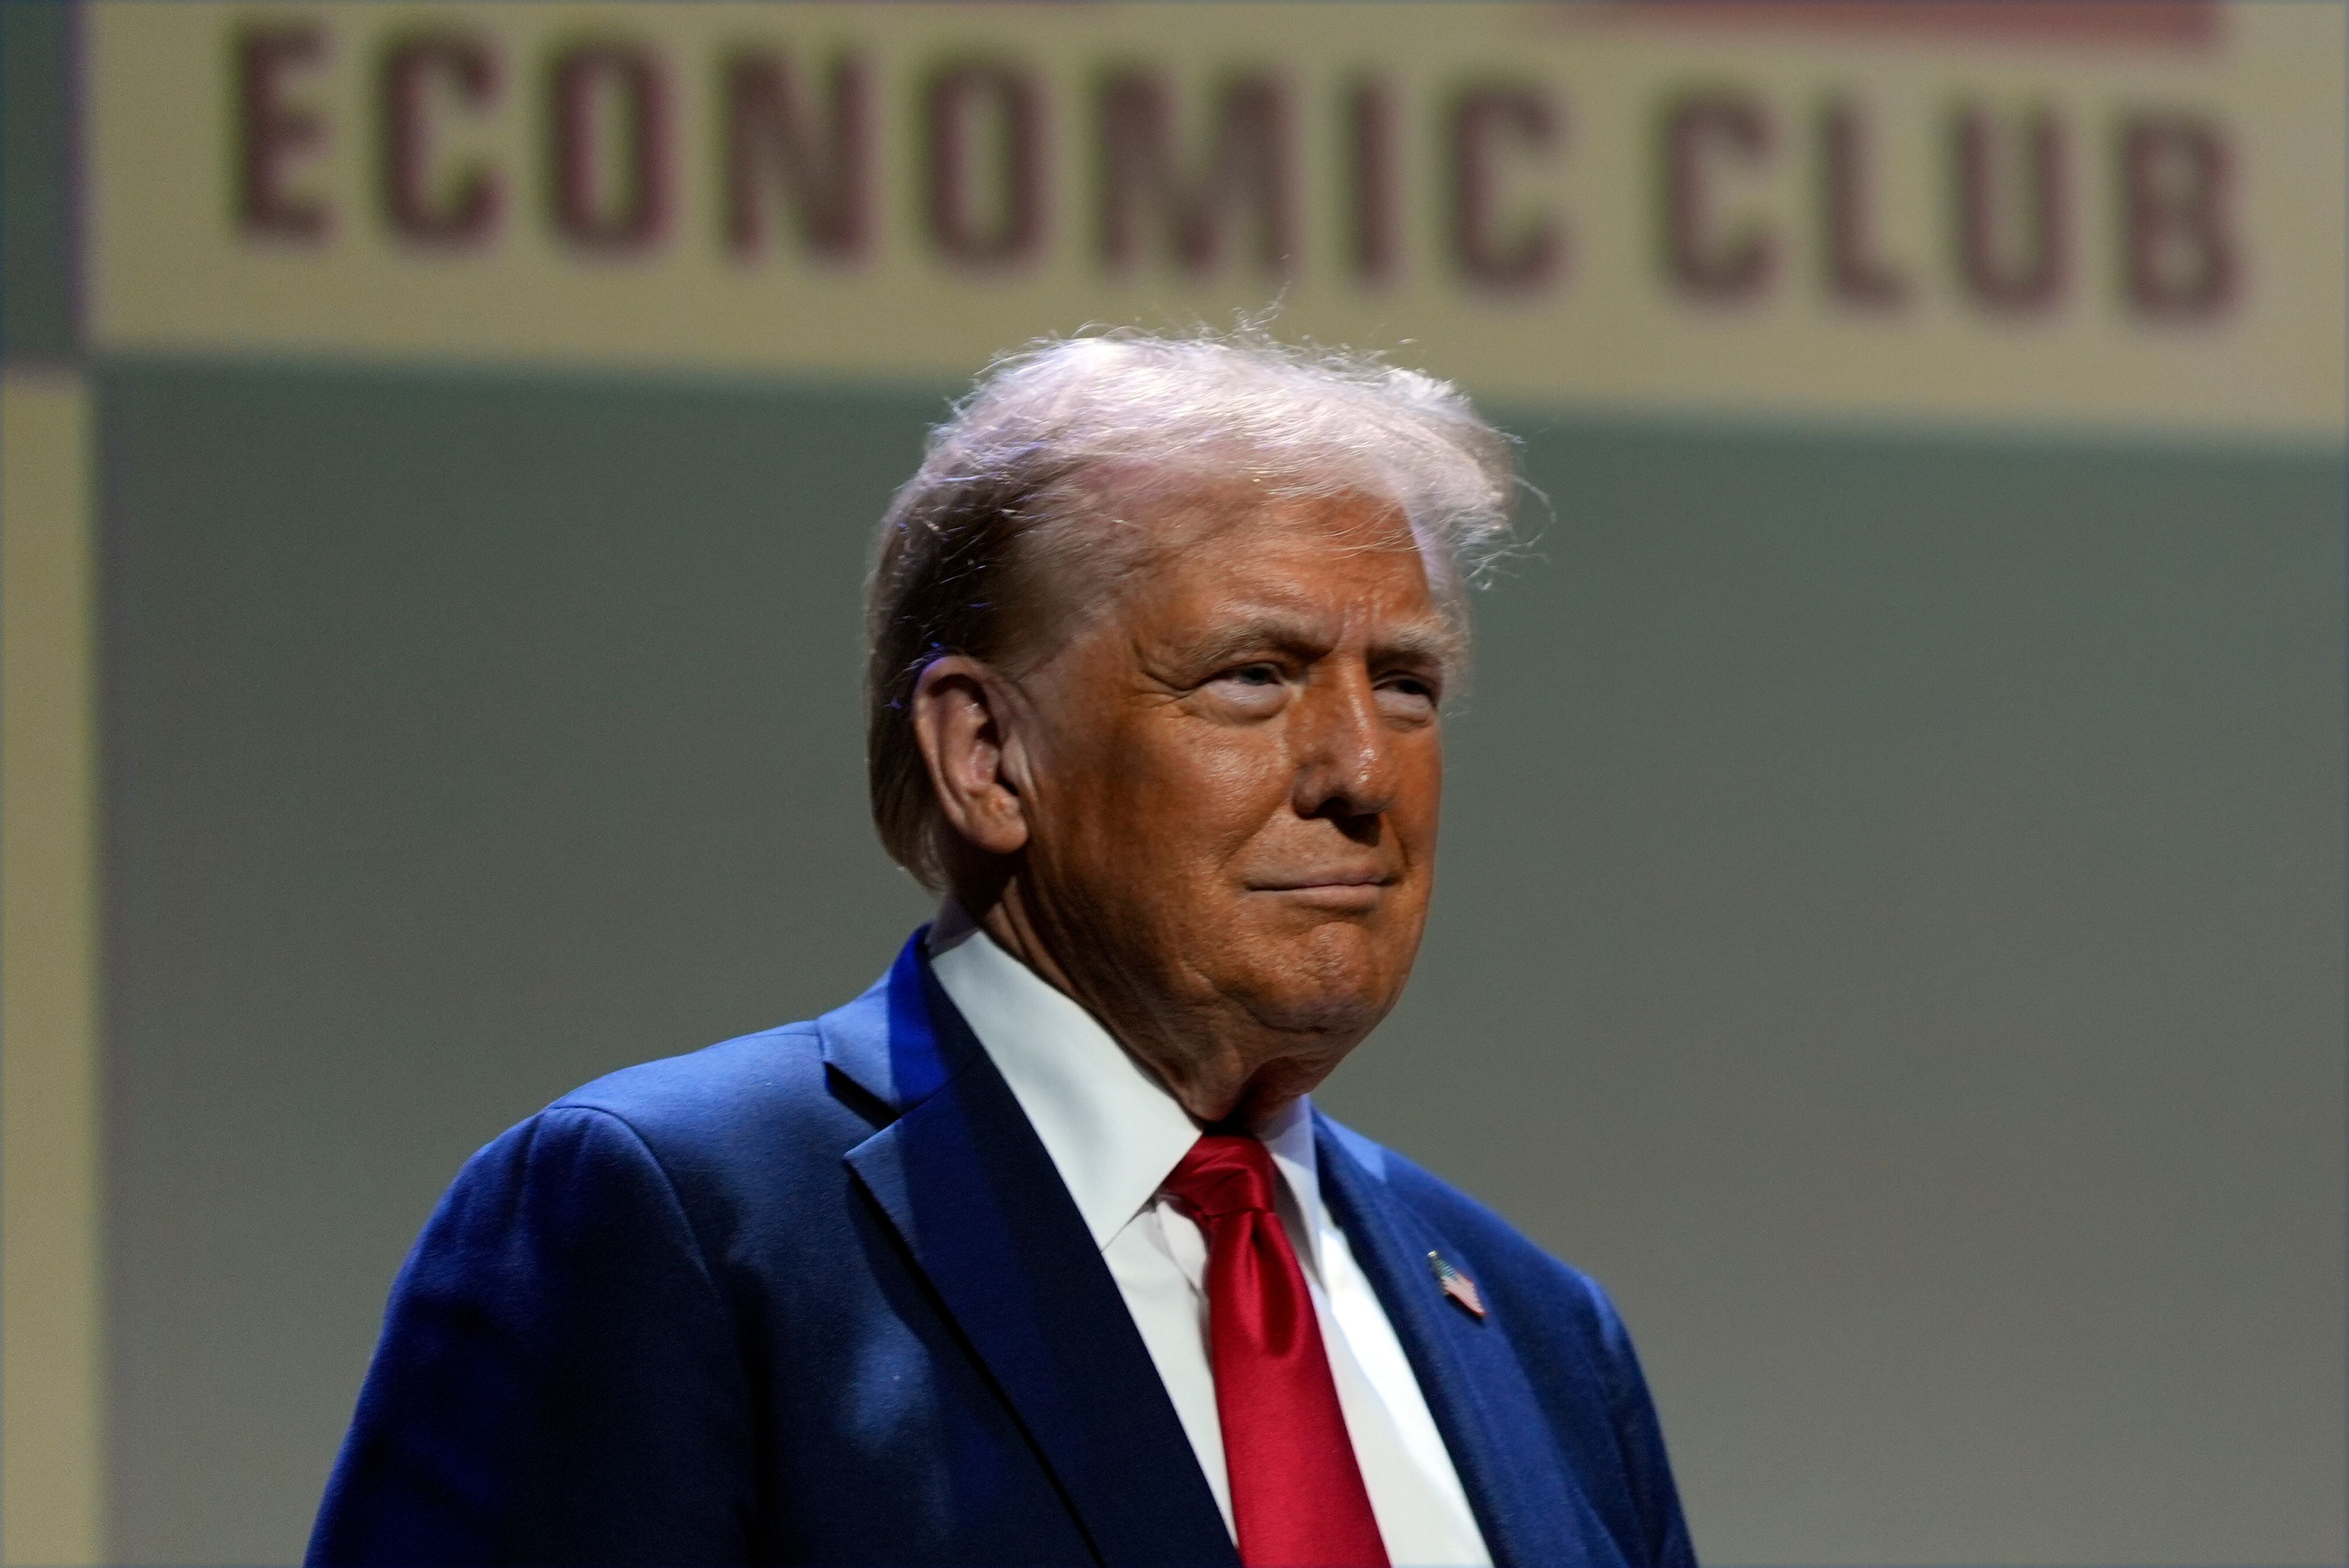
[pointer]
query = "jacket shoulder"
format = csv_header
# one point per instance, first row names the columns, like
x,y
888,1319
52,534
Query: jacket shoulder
x,y
758,1101
735,1146
763,1071
731,1132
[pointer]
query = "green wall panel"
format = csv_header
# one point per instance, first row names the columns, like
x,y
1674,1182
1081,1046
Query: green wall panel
x,y
37,218
1890,924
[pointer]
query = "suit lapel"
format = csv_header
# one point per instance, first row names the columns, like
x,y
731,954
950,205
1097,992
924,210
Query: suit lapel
x,y
1519,1484
978,1204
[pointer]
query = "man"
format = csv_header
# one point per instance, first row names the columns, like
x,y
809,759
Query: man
x,y
1036,1252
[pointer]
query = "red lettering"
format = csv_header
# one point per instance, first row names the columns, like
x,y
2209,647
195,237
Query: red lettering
x,y
2178,253
609,114
824,167
270,132
1374,167
1248,168
1702,262
1483,119
2013,245
1855,275
1007,98
411,68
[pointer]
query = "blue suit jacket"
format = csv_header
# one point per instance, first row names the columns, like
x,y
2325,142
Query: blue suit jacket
x,y
818,1295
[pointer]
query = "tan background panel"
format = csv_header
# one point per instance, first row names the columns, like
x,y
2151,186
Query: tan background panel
x,y
49,1316
171,271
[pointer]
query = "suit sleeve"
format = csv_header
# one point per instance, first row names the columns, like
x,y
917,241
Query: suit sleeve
x,y
558,1381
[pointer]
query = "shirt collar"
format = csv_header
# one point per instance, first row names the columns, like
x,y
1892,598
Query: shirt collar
x,y
1290,1138
1113,1131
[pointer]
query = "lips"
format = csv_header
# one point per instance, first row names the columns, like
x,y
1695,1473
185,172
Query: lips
x,y
1310,880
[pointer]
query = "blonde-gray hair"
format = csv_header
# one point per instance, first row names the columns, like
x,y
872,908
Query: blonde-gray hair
x,y
1014,497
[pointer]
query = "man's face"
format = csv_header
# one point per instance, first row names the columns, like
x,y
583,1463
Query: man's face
x,y
1233,788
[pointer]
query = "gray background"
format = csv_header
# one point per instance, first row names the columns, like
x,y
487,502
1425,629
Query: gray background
x,y
1890,927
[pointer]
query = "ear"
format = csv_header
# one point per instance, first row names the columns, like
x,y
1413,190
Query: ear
x,y
965,720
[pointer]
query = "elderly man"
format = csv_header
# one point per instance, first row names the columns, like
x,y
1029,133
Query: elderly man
x,y
1036,1252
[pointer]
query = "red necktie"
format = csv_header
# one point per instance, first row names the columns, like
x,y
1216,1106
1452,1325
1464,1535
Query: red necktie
x,y
1297,1498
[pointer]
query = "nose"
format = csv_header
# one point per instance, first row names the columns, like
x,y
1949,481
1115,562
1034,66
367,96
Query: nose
x,y
1346,767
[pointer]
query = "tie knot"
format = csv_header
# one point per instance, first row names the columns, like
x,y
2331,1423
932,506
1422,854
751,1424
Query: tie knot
x,y
1224,1175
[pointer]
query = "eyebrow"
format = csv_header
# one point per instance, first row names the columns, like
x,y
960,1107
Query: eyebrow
x,y
1436,643
1428,642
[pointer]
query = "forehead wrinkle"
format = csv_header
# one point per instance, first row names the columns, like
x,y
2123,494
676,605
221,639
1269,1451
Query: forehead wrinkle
x,y
1157,524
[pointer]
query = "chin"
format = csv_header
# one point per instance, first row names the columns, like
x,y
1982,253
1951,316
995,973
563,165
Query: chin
x,y
1336,978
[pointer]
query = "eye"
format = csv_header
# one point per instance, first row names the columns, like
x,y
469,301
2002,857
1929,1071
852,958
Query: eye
x,y
1408,697
1250,691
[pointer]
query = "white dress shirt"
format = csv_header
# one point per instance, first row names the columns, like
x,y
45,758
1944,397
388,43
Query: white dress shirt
x,y
1115,1133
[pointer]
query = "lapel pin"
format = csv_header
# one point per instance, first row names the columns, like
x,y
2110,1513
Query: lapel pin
x,y
1457,1285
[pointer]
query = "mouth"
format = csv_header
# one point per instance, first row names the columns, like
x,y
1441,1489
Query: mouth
x,y
1291,883
1355,890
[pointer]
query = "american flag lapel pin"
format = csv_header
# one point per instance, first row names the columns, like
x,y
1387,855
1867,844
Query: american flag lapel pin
x,y
1455,1285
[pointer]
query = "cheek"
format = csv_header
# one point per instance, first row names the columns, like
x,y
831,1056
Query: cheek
x,y
1417,759
1194,791
1236,779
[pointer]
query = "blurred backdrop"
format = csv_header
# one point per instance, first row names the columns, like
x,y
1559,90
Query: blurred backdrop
x,y
1891,919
